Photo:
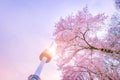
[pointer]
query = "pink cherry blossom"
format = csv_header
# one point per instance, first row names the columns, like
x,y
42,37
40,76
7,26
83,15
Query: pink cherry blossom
x,y
82,54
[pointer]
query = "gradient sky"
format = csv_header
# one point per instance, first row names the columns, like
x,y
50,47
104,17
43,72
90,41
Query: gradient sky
x,y
26,28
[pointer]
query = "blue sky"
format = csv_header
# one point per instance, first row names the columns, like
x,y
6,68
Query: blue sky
x,y
26,28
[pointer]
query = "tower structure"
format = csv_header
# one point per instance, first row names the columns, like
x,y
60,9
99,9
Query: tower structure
x,y
44,57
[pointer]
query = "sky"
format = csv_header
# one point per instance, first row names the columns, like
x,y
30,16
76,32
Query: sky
x,y
26,29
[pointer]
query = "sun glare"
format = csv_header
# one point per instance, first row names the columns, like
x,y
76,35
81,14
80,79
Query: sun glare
x,y
52,49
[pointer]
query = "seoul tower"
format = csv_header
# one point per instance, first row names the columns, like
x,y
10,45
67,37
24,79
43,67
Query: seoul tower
x,y
44,57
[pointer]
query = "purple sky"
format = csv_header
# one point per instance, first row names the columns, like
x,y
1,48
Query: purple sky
x,y
26,28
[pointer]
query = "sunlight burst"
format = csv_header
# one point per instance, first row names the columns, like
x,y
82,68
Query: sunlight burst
x,y
52,49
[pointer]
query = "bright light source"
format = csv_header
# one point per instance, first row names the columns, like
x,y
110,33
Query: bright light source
x,y
52,49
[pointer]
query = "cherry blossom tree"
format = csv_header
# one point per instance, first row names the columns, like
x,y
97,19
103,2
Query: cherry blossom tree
x,y
82,54
117,4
